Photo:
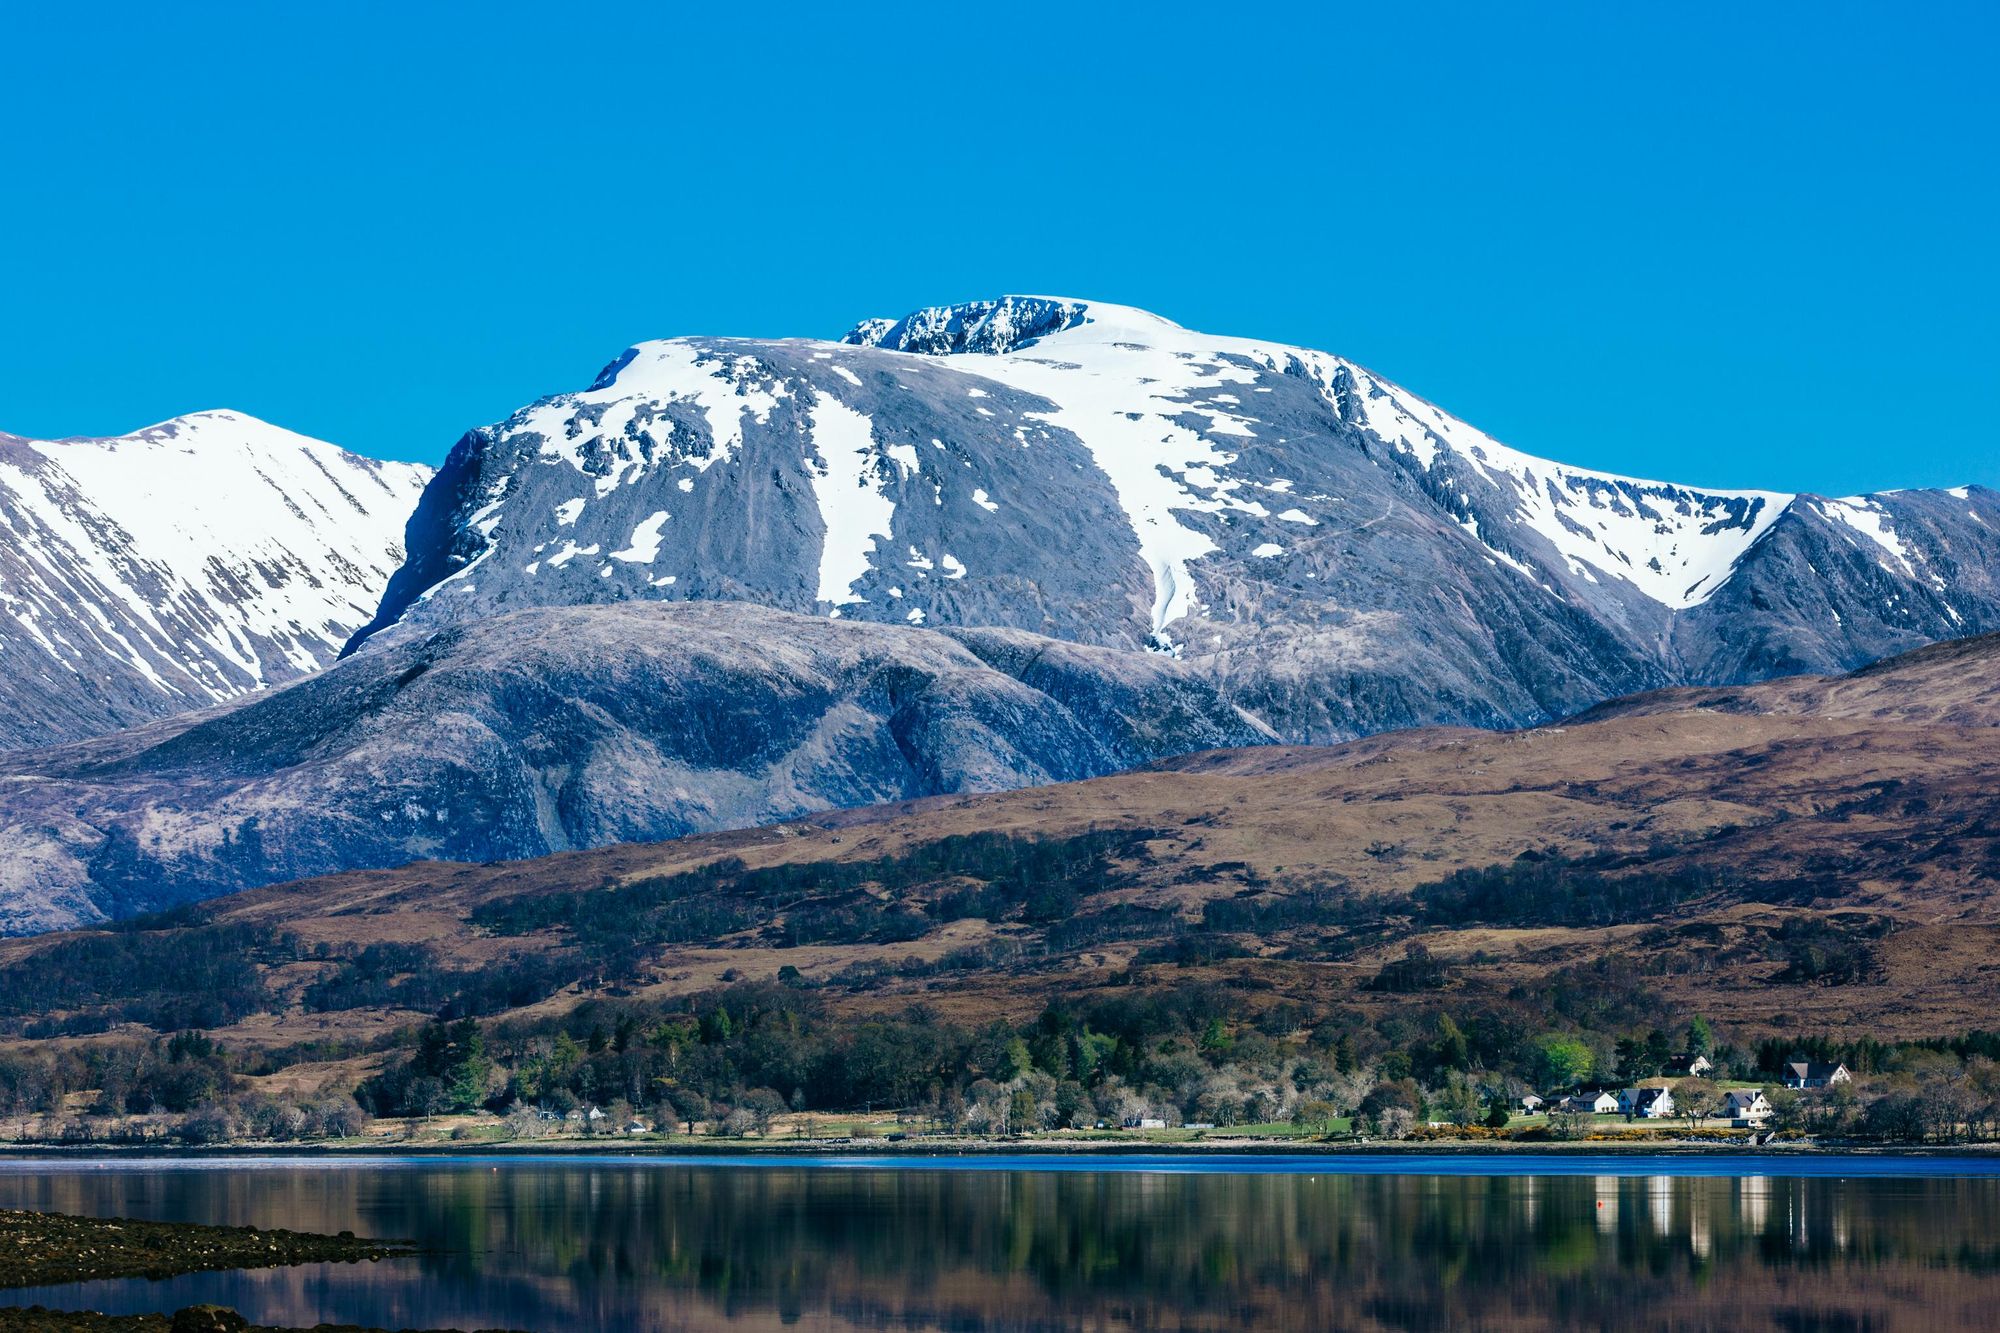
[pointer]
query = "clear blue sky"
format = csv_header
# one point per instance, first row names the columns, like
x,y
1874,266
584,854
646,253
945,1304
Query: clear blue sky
x,y
1728,244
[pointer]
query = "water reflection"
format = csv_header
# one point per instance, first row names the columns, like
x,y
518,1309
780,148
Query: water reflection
x,y
670,1246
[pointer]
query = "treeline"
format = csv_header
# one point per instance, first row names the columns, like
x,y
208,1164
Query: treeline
x,y
1187,1052
182,970
1536,889
186,1086
168,974
995,876
735,1059
411,976
780,1047
1544,889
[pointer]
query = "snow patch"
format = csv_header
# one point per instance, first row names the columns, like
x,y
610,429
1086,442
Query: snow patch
x,y
1869,519
847,482
570,551
1123,382
645,541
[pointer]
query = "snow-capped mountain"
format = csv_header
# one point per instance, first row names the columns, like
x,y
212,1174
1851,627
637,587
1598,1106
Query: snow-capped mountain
x,y
1086,538
1338,553
180,566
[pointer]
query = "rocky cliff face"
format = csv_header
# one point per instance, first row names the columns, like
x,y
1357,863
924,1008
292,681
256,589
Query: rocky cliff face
x,y
1836,583
189,563
552,729
1338,555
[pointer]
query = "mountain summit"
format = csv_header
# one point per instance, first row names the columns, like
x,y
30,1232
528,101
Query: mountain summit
x,y
1337,554
181,565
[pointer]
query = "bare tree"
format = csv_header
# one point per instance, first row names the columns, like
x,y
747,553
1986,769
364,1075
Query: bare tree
x,y
1697,1099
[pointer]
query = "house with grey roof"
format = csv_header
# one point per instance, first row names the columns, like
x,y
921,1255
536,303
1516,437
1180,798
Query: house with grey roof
x,y
1809,1074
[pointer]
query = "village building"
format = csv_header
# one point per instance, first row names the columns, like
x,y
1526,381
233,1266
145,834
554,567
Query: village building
x,y
1692,1065
1529,1104
1746,1108
1808,1074
1589,1103
1646,1103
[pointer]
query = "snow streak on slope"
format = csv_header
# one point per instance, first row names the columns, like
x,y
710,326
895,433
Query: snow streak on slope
x,y
1674,543
198,558
630,425
848,485
1123,381
1867,518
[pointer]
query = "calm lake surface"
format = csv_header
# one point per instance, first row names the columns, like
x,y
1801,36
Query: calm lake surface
x,y
561,1245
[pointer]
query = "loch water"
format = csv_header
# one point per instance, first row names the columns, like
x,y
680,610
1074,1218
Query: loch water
x,y
563,1244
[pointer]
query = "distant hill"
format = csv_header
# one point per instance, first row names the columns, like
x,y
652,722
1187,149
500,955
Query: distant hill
x,y
1816,854
567,727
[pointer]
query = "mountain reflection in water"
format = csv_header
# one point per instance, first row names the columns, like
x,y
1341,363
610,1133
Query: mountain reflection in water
x,y
673,1245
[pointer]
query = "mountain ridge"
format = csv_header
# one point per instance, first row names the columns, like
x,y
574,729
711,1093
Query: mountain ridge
x,y
1340,554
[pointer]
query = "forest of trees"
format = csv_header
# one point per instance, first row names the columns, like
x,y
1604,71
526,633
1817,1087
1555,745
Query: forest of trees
x,y
733,1059
1170,1047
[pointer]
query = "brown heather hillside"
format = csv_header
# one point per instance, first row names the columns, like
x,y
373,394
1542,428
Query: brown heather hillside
x,y
1822,855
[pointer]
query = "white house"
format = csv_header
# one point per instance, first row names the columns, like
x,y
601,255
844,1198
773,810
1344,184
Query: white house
x,y
1646,1103
1746,1108
1813,1074
1529,1104
1590,1103
1144,1122
1692,1065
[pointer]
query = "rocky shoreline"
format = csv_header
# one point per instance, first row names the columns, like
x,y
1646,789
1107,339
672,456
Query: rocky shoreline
x,y
44,1249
